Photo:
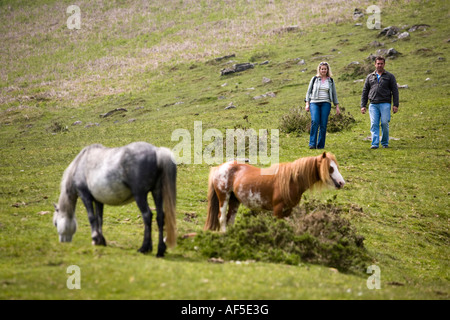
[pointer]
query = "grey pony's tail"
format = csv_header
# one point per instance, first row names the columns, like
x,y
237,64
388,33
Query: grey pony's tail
x,y
166,162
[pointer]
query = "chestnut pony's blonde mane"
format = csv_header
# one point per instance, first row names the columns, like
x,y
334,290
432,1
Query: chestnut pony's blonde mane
x,y
305,173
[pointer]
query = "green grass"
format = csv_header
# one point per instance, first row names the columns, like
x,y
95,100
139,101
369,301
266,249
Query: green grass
x,y
154,62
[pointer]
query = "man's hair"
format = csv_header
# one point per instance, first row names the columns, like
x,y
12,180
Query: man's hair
x,y
380,58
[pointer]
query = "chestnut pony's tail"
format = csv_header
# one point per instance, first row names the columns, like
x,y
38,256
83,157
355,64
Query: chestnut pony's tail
x,y
212,219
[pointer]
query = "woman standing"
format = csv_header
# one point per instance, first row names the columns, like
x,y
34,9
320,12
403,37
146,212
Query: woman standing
x,y
321,92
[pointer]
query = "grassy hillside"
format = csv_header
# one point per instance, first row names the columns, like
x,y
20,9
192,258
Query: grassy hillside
x,y
156,60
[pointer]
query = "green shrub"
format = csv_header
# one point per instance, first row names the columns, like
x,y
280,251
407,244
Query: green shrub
x,y
296,121
321,237
340,122
356,70
299,121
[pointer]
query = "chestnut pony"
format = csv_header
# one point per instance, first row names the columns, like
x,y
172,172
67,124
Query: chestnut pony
x,y
278,188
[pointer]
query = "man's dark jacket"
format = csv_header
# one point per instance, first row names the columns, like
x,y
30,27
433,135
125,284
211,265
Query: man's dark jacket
x,y
380,91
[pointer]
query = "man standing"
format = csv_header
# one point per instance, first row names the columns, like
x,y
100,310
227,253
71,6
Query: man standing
x,y
379,88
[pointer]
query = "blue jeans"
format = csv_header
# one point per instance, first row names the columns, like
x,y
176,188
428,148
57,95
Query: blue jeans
x,y
380,112
319,120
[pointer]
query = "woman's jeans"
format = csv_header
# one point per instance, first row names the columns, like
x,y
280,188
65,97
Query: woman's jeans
x,y
380,112
319,120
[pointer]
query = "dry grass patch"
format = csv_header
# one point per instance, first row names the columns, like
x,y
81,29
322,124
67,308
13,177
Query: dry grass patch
x,y
120,39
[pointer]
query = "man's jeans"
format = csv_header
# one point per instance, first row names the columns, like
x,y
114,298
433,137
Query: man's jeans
x,y
319,120
380,112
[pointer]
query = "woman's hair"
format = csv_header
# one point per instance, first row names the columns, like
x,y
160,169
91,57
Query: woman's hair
x,y
329,74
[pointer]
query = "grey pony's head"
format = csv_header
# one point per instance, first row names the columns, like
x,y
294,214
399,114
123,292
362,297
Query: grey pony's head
x,y
65,225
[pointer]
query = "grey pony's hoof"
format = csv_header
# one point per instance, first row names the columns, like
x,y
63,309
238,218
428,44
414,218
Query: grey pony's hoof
x,y
99,241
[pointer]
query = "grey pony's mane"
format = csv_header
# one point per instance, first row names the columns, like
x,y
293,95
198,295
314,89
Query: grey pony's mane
x,y
68,197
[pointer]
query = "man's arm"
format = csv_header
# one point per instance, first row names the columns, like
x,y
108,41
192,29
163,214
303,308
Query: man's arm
x,y
365,95
394,90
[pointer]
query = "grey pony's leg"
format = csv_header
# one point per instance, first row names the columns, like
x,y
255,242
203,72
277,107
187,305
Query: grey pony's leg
x,y
142,203
157,196
94,220
99,214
